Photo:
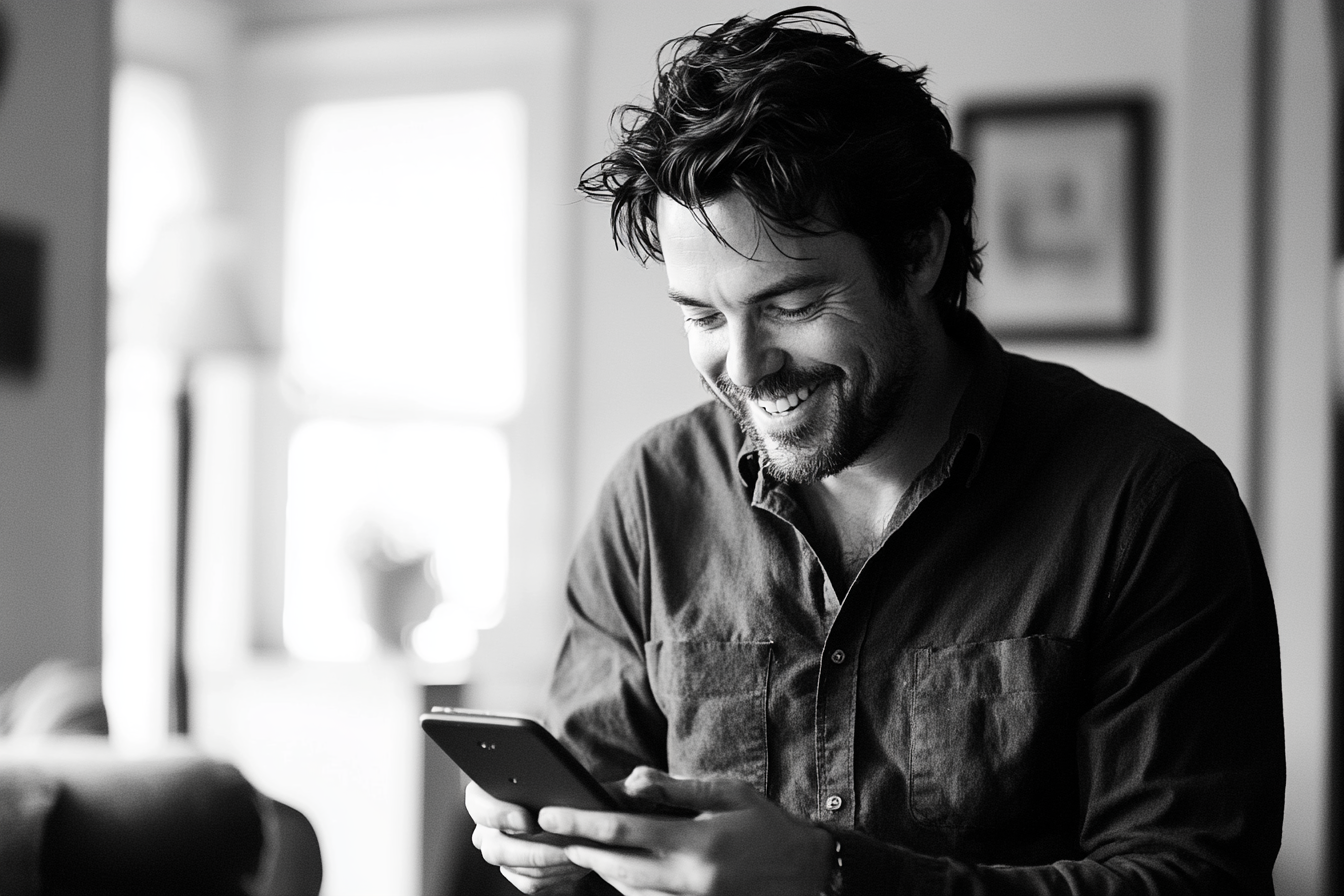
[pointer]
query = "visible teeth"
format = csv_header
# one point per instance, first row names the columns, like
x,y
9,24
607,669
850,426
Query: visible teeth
x,y
786,403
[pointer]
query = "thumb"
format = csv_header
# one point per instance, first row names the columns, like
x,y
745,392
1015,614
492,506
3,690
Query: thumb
x,y
700,794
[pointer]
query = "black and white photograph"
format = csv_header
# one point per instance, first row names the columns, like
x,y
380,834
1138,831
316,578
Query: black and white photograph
x,y
699,448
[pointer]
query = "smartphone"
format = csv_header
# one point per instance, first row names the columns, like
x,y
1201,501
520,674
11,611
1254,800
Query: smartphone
x,y
513,758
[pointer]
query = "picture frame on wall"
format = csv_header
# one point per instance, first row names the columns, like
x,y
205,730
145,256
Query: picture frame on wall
x,y
21,263
1064,211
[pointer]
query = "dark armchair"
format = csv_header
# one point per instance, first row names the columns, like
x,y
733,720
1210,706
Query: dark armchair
x,y
78,818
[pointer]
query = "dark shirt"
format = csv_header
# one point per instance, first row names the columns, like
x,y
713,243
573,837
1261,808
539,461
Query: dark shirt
x,y
1058,673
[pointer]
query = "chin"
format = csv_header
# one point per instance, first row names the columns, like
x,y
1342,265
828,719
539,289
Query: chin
x,y
799,467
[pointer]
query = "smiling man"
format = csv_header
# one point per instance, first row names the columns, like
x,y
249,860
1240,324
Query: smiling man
x,y
797,337
844,389
897,612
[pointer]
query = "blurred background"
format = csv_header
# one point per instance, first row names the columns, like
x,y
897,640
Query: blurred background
x,y
321,362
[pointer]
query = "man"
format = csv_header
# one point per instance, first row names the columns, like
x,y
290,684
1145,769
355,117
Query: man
x,y
898,612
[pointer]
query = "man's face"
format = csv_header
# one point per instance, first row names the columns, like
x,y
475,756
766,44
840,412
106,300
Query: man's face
x,y
794,334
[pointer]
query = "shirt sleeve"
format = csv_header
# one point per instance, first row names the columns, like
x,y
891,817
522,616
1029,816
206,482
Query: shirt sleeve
x,y
601,705
1180,746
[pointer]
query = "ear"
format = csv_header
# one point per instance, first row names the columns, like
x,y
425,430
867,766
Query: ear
x,y
924,272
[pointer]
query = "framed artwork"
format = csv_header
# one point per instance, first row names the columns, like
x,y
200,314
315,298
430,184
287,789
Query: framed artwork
x,y
1063,208
21,253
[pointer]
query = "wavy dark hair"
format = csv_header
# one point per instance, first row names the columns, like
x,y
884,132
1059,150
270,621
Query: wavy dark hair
x,y
817,133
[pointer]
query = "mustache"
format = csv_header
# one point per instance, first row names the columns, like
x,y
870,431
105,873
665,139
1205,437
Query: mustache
x,y
773,386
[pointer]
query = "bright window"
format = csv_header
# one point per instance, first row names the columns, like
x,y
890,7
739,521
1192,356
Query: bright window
x,y
404,345
379,515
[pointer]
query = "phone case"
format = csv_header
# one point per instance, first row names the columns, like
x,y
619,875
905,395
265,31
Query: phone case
x,y
515,759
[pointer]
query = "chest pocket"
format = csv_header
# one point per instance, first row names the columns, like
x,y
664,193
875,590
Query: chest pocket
x,y
992,732
714,695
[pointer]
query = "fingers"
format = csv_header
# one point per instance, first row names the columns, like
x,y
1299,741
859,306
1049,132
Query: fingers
x,y
516,852
705,795
508,836
489,812
631,873
618,829
531,866
524,884
527,884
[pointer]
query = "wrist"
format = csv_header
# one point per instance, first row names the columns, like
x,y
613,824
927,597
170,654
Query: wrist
x,y
829,860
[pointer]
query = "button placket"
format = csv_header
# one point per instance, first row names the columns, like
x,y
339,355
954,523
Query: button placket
x,y
836,704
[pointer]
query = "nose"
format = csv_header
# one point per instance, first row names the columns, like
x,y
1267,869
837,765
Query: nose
x,y
752,354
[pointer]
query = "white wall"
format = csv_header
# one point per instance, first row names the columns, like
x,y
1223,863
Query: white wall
x,y
53,175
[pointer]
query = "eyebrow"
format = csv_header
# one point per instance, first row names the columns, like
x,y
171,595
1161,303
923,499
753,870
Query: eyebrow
x,y
791,283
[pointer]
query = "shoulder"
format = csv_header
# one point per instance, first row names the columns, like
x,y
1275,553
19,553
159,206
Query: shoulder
x,y
1065,412
667,477
678,464
1083,443
697,448
1107,468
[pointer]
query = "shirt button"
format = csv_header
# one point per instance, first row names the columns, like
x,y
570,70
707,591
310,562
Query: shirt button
x,y
834,802
838,657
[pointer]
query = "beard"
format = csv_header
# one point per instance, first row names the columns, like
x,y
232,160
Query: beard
x,y
865,404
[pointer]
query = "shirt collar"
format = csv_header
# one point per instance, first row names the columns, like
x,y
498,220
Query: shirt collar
x,y
977,411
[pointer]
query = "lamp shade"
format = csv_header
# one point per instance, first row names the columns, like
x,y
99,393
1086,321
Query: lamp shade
x,y
189,297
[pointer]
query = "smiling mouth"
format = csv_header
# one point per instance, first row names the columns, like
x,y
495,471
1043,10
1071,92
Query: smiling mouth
x,y
785,404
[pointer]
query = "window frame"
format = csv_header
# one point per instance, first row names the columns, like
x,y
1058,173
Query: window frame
x,y
531,52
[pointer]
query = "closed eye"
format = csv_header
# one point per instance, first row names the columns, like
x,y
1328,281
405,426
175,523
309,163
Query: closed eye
x,y
703,321
796,313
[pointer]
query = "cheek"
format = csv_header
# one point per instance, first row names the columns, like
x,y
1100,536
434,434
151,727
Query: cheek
x,y
707,354
826,350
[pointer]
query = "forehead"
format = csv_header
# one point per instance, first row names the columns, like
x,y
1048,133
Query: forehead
x,y
746,254
741,232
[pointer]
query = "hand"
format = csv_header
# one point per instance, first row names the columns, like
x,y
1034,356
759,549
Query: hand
x,y
507,836
740,843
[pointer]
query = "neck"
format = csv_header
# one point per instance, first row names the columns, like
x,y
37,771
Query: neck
x,y
886,470
851,510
